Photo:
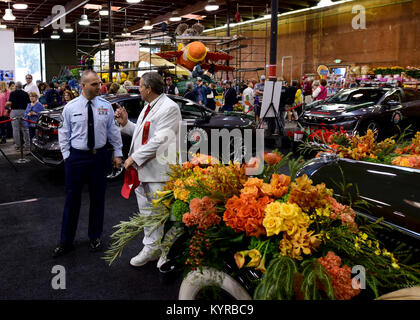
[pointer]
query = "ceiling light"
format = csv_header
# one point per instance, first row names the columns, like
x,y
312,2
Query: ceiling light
x,y
104,10
134,1
68,28
20,5
55,35
147,25
84,20
211,5
325,3
175,16
8,16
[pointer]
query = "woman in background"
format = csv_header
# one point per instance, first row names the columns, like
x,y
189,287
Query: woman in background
x,y
32,113
67,96
12,86
4,112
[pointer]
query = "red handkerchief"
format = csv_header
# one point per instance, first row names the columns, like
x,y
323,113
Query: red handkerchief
x,y
131,182
145,132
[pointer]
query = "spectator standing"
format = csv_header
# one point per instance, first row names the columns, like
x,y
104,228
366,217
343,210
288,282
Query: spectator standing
x,y
103,87
170,88
201,92
113,89
32,113
4,112
293,90
229,96
248,98
18,100
30,86
307,91
52,97
189,93
67,97
321,92
12,86
258,96
211,102
136,83
298,99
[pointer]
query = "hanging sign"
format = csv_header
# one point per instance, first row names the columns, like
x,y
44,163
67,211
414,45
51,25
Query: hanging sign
x,y
323,70
126,51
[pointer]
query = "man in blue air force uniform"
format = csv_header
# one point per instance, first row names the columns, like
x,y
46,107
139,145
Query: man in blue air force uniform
x,y
88,122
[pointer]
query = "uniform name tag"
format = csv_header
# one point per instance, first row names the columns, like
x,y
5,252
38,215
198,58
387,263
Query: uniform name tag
x,y
102,111
77,114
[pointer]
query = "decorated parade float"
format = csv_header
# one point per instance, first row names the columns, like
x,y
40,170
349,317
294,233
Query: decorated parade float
x,y
270,236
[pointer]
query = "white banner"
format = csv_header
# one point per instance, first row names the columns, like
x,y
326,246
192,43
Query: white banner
x,y
127,51
7,55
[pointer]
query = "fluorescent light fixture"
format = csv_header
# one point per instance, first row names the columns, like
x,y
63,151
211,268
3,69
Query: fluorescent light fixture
x,y
20,5
104,10
68,28
267,17
84,20
134,1
8,16
55,35
147,25
211,6
175,16
324,3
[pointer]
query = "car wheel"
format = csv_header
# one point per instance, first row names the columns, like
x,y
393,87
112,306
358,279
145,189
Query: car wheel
x,y
198,281
374,126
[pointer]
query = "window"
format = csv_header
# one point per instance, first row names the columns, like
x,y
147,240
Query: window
x,y
394,96
411,95
28,61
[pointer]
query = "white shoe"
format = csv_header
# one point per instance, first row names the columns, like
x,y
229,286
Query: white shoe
x,y
162,260
144,257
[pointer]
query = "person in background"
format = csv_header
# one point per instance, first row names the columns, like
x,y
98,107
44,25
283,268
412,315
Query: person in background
x,y
170,88
30,85
103,87
62,88
248,98
18,100
399,84
229,96
52,97
113,89
321,92
197,71
42,88
4,112
258,96
12,86
298,99
122,89
189,94
32,113
67,97
201,92
307,90
211,102
293,92
127,84
136,83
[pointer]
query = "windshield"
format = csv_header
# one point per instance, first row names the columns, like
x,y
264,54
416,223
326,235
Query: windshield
x,y
357,96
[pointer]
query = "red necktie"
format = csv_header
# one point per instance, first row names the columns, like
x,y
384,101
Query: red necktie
x,y
147,111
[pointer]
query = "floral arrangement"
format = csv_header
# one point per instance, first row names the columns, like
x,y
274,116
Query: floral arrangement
x,y
300,241
395,151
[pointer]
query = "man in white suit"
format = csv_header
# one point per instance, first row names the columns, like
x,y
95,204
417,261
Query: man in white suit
x,y
156,130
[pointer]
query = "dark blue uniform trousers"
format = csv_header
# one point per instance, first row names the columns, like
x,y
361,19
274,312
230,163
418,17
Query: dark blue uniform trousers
x,y
84,167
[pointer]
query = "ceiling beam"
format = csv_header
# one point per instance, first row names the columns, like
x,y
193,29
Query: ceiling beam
x,y
70,6
305,4
197,7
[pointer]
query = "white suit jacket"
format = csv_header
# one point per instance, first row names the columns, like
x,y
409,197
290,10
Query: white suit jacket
x,y
164,118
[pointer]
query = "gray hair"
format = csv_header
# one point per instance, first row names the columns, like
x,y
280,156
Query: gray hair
x,y
86,74
154,81
190,85
19,85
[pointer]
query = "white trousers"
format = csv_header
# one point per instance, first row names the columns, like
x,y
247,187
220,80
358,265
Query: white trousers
x,y
144,193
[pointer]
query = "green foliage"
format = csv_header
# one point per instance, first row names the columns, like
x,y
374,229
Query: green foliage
x,y
276,168
315,278
277,282
130,230
179,208
294,166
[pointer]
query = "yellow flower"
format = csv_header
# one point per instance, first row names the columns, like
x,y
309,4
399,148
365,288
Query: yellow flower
x,y
395,265
261,266
161,194
255,256
378,252
272,225
240,258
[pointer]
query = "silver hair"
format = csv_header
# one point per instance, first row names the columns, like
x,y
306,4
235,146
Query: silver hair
x,y
189,85
154,81
86,74
19,85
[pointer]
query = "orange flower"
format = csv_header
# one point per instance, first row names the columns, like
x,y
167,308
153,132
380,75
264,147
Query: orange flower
x,y
307,196
279,184
272,157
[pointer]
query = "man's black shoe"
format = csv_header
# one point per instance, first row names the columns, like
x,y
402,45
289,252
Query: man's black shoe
x,y
95,245
62,249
